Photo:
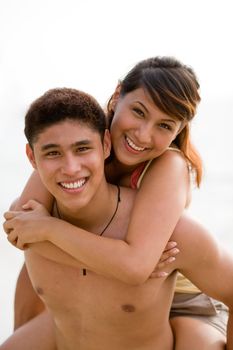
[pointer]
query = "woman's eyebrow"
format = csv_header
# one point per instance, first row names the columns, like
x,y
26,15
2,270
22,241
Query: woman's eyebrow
x,y
164,119
142,104
170,120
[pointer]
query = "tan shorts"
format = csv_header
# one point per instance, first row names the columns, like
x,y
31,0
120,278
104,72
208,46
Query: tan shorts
x,y
201,307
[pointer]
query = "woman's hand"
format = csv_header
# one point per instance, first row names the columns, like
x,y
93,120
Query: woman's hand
x,y
24,227
167,257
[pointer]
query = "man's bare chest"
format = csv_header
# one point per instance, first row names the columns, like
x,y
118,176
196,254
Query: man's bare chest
x,y
61,287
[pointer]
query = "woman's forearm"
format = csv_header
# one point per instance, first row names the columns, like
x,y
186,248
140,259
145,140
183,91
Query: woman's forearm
x,y
110,257
34,189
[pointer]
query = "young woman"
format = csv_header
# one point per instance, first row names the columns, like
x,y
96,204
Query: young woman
x,y
149,120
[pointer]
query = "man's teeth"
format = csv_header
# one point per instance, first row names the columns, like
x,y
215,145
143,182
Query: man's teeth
x,y
132,145
73,185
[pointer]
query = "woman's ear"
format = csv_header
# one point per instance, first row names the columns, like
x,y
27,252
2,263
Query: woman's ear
x,y
115,96
182,126
30,155
107,144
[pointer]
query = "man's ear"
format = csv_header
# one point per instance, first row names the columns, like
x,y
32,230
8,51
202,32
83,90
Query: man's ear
x,y
115,96
30,155
107,144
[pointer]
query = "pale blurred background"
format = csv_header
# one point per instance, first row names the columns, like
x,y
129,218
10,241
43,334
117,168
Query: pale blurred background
x,y
91,44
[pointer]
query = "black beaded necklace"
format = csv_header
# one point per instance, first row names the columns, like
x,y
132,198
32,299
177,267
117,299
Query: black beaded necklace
x,y
105,228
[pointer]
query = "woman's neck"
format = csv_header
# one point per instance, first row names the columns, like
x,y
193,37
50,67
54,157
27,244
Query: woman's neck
x,y
115,171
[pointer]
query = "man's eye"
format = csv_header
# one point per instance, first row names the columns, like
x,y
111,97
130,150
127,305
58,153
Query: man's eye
x,y
82,149
52,153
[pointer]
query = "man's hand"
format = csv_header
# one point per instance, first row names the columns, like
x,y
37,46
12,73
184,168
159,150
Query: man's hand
x,y
24,227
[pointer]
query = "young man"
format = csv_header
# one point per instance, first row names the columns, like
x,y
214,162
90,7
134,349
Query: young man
x,y
68,145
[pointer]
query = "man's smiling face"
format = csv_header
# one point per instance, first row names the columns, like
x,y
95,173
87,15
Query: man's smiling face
x,y
69,157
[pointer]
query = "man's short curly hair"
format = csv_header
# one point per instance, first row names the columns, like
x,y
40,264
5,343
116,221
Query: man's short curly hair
x,y
60,104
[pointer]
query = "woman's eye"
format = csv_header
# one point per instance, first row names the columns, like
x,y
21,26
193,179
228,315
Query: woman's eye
x,y
139,112
165,126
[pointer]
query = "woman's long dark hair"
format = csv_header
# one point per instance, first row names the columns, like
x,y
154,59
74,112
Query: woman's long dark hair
x,y
173,87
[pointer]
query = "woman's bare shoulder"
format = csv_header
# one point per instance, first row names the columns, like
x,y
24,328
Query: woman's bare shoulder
x,y
170,164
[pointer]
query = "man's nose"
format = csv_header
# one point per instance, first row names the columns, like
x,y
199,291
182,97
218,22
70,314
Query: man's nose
x,y
71,165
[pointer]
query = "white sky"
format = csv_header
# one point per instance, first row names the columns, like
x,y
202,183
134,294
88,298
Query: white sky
x,y
89,45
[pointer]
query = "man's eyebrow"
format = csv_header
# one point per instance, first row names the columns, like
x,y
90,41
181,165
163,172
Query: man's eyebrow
x,y
55,145
48,146
81,143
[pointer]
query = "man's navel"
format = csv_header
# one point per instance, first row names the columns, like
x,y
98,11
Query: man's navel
x,y
128,308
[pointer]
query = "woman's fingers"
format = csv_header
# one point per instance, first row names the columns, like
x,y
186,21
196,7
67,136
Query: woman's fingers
x,y
168,254
8,215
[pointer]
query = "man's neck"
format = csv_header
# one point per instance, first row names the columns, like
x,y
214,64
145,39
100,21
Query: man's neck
x,y
96,214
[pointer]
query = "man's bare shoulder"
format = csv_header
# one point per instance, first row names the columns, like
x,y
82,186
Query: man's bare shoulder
x,y
127,196
118,227
128,192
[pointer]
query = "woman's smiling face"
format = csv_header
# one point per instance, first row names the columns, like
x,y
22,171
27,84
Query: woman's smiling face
x,y
139,130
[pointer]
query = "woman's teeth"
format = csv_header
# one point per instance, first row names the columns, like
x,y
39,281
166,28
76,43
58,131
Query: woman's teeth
x,y
132,145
